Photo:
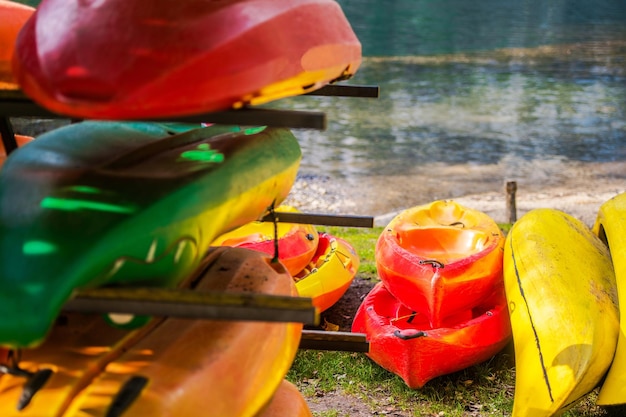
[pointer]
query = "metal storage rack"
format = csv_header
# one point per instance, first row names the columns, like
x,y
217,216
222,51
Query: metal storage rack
x,y
186,303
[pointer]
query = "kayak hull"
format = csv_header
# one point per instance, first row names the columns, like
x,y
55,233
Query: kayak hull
x,y
13,16
165,61
330,273
286,402
403,342
440,259
21,140
554,267
177,358
149,206
610,227
297,243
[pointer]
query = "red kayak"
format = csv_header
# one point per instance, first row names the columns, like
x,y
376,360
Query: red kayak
x,y
403,342
12,17
440,259
297,243
126,59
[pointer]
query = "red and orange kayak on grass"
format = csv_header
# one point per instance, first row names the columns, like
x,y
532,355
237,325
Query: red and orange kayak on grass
x,y
165,59
403,342
440,259
169,366
13,15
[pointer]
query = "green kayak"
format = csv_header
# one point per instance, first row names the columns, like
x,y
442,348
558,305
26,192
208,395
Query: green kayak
x,y
100,203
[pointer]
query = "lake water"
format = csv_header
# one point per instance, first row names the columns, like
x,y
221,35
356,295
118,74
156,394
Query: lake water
x,y
476,94
473,94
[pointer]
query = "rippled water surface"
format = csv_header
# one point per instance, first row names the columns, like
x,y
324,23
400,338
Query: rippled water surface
x,y
462,110
472,113
474,94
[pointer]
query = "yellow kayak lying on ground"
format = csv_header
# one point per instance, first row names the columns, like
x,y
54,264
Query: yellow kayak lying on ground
x,y
560,287
610,227
169,367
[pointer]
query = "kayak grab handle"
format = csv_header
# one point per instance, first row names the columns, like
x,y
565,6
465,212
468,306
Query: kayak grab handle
x,y
34,382
415,335
435,264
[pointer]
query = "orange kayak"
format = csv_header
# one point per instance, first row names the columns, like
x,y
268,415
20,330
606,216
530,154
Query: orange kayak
x,y
441,258
287,401
12,17
196,57
169,366
21,141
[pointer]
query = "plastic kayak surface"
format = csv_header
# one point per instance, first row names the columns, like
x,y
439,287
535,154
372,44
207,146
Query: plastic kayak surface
x,y
13,15
560,287
440,259
610,227
21,141
191,57
297,243
403,342
100,203
330,273
286,402
170,366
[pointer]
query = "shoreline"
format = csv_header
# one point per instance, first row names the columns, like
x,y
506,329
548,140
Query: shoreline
x,y
323,195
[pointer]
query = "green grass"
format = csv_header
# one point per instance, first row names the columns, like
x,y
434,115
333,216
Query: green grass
x,y
485,389
364,242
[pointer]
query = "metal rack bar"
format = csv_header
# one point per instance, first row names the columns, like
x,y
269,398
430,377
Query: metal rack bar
x,y
245,116
188,304
320,219
7,134
258,117
14,103
339,341
347,90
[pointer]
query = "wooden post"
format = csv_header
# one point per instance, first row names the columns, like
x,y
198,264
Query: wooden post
x,y
511,188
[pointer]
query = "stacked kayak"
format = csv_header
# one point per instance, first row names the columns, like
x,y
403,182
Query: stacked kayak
x,y
169,366
440,305
21,140
13,16
610,227
323,266
329,274
100,203
167,60
296,243
286,402
560,287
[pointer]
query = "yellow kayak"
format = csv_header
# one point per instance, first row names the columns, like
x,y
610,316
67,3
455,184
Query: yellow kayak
x,y
610,226
169,367
560,287
330,273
